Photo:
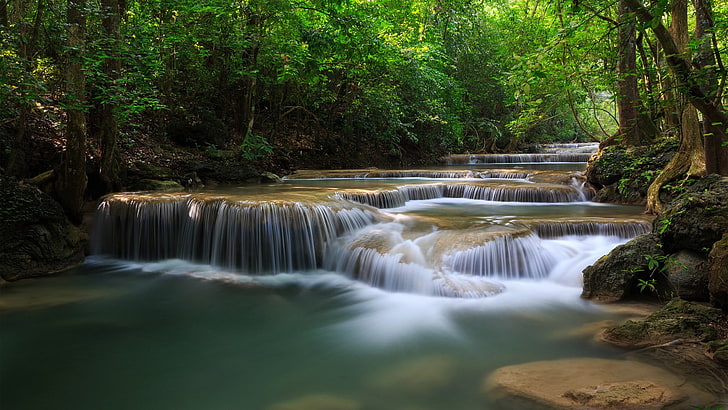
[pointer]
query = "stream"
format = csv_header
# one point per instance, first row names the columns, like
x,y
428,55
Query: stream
x,y
348,289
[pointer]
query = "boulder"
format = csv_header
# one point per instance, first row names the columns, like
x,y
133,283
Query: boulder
x,y
586,383
157,185
718,273
37,238
615,276
697,218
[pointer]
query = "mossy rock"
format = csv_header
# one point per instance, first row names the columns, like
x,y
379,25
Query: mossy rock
x,y
679,319
623,174
615,276
158,185
696,219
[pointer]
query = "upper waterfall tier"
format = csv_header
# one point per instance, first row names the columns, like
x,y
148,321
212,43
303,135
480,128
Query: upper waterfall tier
x,y
517,158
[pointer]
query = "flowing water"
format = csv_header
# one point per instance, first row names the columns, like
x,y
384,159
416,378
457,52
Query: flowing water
x,y
362,289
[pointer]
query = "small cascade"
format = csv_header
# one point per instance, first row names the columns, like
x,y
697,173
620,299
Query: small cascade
x,y
404,174
505,257
462,159
254,237
382,199
386,271
625,230
528,158
582,147
422,192
528,193
533,193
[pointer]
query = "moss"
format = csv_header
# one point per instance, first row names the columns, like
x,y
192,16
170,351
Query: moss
x,y
679,319
627,172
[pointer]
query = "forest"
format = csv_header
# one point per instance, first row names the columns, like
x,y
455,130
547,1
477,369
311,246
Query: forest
x,y
330,84
483,204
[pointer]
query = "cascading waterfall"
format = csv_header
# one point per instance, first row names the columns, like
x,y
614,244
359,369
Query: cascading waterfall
x,y
505,257
394,198
254,237
345,233
625,230
517,158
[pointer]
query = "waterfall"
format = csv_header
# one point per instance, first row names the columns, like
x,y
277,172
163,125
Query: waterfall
x,y
533,193
505,257
517,158
625,230
254,237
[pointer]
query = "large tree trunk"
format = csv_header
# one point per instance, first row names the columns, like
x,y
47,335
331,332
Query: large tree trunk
x,y
110,167
688,82
716,155
71,182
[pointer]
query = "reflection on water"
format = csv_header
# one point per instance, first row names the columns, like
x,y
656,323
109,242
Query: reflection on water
x,y
192,307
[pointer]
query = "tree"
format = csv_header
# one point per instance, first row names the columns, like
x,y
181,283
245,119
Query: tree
x,y
689,81
110,167
71,176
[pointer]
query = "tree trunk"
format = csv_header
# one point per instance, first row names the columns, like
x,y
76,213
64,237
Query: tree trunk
x,y
628,105
688,84
691,141
71,182
110,167
716,155
635,125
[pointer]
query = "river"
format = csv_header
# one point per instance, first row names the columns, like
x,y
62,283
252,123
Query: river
x,y
364,289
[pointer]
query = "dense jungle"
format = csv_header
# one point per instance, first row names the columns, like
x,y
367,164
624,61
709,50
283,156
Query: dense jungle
x,y
309,154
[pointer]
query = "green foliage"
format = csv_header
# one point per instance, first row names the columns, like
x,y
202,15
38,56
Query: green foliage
x,y
255,147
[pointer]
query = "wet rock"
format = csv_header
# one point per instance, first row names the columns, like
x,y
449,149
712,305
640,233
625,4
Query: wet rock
x,y
687,272
37,238
697,218
270,177
157,185
584,383
317,402
614,276
718,273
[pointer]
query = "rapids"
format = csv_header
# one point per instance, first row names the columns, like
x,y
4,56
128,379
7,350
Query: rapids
x,y
366,289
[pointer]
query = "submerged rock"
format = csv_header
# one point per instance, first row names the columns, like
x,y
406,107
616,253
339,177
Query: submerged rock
x,y
424,376
584,383
37,238
317,402
614,276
